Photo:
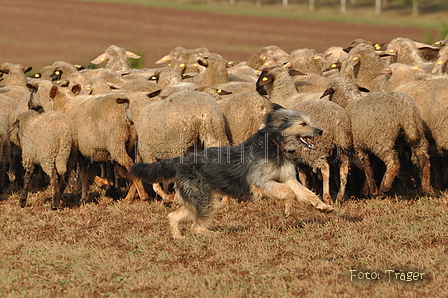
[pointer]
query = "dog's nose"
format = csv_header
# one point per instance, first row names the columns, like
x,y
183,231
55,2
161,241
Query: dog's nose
x,y
319,131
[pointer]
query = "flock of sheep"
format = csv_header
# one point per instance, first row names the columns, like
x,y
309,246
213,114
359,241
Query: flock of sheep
x,y
374,102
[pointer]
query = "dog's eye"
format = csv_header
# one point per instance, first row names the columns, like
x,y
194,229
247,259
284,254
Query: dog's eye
x,y
303,124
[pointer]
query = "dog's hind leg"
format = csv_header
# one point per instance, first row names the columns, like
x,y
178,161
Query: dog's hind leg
x,y
305,195
202,222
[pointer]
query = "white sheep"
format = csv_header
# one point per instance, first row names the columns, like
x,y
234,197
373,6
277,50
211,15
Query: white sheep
x,y
47,140
378,120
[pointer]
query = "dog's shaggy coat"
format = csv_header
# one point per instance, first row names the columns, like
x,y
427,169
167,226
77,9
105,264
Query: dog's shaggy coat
x,y
262,166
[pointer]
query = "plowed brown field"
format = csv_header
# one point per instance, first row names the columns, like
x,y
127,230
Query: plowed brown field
x,y
37,33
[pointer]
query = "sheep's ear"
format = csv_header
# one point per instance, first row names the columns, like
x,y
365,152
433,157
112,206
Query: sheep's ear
x,y
122,101
132,55
265,79
329,91
154,77
347,49
27,69
362,89
154,93
32,87
14,126
203,62
336,65
53,92
276,106
223,92
294,72
164,59
355,60
101,58
76,89
80,67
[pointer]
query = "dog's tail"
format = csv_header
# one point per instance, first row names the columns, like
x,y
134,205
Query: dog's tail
x,y
154,172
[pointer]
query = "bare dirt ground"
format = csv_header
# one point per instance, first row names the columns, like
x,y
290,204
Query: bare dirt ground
x,y
38,33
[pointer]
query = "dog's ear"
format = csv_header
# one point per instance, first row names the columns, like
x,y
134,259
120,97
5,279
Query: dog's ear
x,y
276,106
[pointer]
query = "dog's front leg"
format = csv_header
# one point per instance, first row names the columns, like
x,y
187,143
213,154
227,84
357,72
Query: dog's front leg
x,y
305,195
279,191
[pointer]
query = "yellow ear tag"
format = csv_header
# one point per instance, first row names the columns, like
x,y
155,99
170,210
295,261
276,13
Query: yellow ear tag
x,y
438,42
182,65
264,79
316,58
163,59
333,65
440,62
377,47
266,64
387,69
37,75
195,65
153,78
219,91
355,59
391,51
57,72
58,82
264,58
415,68
102,59
88,88
169,64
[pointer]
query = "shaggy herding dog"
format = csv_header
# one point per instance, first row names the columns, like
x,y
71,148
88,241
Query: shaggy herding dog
x,y
262,166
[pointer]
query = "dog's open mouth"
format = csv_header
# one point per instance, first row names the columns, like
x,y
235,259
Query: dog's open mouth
x,y
307,141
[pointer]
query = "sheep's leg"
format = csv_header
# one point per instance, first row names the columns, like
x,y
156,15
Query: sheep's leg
x,y
344,168
392,170
131,193
326,195
26,184
421,160
84,177
54,184
369,187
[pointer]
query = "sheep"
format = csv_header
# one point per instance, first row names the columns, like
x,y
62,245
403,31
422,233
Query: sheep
x,y
103,131
398,74
378,120
406,51
430,95
244,113
48,140
258,58
59,70
184,121
213,72
116,58
180,58
365,67
441,64
13,82
329,116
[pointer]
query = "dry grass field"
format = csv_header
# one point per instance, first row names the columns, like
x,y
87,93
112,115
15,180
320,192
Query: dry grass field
x,y
381,247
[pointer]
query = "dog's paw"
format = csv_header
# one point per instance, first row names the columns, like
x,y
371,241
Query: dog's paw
x,y
322,207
